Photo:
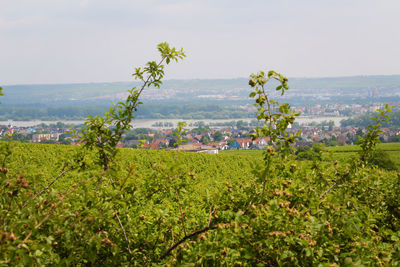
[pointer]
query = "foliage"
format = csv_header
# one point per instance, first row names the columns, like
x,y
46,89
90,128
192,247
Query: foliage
x,y
204,139
218,136
348,153
105,132
364,120
369,141
148,111
383,160
275,117
310,153
327,230
138,134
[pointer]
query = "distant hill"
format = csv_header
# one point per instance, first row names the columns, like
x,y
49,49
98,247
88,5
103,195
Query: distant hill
x,y
194,90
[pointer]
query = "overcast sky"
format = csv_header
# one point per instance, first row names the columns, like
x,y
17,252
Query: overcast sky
x,y
67,41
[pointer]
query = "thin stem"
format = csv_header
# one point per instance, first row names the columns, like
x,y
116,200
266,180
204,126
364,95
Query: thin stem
x,y
146,82
327,191
100,180
269,111
41,192
123,230
180,209
205,229
265,174
336,183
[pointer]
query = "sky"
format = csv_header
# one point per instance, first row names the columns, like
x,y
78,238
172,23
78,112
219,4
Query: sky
x,y
74,41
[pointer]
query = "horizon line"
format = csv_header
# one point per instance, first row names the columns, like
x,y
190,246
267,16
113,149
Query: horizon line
x,y
205,79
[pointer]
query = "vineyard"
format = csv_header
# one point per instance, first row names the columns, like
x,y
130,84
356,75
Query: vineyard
x,y
346,152
210,201
339,153
97,204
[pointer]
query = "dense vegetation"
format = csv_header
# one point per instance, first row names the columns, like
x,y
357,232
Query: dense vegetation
x,y
97,204
49,113
71,223
148,111
339,153
364,120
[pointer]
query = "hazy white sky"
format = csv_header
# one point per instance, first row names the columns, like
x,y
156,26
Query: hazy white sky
x,y
63,41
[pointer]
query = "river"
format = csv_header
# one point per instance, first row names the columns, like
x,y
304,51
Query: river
x,y
148,123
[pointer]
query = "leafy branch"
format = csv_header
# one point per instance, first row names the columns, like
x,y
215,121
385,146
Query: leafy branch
x,y
371,139
276,117
105,132
194,233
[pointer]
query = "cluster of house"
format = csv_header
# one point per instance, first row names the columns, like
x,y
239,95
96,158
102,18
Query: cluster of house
x,y
208,140
343,135
192,142
238,143
239,138
340,109
34,134
37,138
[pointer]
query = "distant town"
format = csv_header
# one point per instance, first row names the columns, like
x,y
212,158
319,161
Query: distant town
x,y
204,137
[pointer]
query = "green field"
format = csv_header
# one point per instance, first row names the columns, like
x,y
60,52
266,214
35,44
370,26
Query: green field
x,y
169,208
354,148
338,152
346,152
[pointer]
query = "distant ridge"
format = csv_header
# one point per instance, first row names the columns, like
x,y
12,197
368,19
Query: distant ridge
x,y
60,93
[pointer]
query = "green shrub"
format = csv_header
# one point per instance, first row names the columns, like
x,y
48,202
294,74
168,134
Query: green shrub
x,y
382,159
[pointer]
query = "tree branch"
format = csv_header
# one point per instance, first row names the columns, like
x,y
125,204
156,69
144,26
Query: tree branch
x,y
327,191
335,184
41,192
180,209
123,230
205,229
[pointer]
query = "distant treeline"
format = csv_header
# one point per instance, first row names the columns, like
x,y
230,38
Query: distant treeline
x,y
49,113
148,111
193,111
365,120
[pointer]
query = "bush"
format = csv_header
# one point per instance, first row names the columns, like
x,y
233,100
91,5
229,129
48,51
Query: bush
x,y
310,153
382,159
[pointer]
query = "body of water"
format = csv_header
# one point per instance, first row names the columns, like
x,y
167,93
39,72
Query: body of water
x,y
148,123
